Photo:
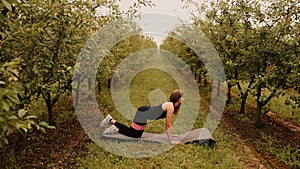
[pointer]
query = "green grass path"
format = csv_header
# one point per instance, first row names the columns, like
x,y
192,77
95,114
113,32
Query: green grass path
x,y
227,154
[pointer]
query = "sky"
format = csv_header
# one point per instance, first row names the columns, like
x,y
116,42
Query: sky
x,y
173,8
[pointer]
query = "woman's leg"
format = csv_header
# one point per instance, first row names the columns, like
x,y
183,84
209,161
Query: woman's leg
x,y
127,131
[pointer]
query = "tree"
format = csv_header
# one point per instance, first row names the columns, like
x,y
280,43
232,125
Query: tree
x,y
227,26
49,52
191,44
257,43
119,52
12,117
46,36
184,52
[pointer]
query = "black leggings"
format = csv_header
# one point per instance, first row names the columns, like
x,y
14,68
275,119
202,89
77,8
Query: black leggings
x,y
128,131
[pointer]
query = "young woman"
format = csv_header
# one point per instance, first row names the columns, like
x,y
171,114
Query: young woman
x,y
144,113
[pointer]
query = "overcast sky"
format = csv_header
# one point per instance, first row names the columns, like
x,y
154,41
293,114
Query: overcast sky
x,y
170,7
173,8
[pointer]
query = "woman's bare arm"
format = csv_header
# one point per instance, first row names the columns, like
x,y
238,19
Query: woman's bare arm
x,y
170,110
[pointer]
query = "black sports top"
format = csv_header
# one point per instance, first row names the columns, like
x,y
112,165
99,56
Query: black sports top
x,y
145,113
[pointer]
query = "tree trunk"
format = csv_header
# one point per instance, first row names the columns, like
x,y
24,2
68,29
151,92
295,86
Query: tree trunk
x,y
258,117
244,95
21,142
99,85
50,118
89,83
243,104
199,79
211,84
109,83
219,84
50,110
77,94
258,112
229,94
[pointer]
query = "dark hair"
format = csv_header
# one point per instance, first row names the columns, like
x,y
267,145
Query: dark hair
x,y
174,97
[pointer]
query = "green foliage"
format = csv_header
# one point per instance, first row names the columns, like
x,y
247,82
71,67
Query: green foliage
x,y
6,6
190,44
258,43
46,37
122,50
183,51
12,117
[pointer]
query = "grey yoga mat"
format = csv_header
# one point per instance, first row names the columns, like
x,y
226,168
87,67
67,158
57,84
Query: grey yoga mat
x,y
200,136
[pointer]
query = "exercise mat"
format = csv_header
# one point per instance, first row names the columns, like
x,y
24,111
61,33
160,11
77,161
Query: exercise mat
x,y
200,136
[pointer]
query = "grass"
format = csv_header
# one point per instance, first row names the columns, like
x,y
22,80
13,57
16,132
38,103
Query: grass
x,y
150,87
142,86
288,155
153,86
227,154
181,156
277,105
62,110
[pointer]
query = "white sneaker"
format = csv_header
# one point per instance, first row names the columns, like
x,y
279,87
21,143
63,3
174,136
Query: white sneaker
x,y
110,130
106,121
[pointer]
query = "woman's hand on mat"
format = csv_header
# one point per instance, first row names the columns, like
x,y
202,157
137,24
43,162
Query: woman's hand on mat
x,y
176,142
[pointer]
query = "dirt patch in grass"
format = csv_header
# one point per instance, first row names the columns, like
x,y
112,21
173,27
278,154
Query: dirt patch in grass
x,y
60,147
264,142
53,149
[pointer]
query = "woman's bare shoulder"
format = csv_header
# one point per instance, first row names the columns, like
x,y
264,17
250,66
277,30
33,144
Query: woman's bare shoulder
x,y
167,105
